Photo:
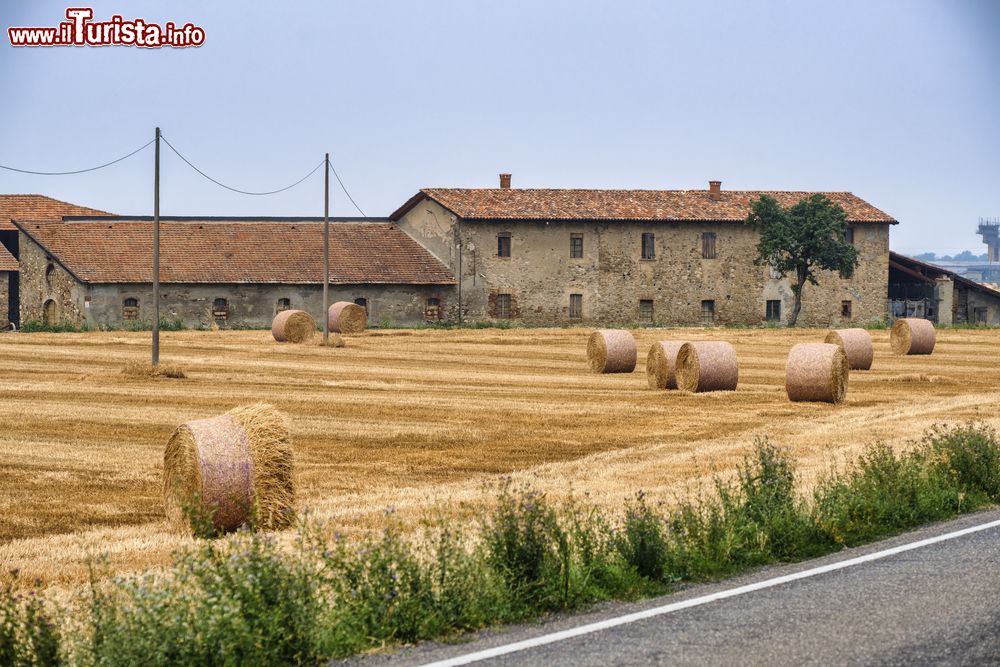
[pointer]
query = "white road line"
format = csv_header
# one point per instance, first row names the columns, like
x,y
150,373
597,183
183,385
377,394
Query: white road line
x,y
554,637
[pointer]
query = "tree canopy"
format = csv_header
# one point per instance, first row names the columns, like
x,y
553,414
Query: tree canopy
x,y
803,239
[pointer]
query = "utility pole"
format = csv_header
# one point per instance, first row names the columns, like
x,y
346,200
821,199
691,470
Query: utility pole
x,y
326,250
156,253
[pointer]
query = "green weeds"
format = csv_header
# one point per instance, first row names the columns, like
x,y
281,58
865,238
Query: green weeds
x,y
247,601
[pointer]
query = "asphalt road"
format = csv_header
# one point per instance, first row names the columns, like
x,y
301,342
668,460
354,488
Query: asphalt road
x,y
937,604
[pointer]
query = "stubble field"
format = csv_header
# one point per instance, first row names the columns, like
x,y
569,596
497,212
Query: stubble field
x,y
421,421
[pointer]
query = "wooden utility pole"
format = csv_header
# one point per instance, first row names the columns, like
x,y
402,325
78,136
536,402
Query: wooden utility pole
x,y
156,253
326,250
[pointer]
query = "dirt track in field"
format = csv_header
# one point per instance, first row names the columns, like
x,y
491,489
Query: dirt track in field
x,y
420,419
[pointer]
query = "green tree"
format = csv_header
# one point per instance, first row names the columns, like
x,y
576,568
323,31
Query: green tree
x,y
801,240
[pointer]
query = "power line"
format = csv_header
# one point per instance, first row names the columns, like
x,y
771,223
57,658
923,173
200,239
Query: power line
x,y
242,192
346,192
78,171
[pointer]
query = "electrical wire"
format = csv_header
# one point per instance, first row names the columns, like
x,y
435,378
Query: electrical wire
x,y
242,192
342,187
78,171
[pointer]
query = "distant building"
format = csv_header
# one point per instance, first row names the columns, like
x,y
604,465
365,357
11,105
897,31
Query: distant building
x,y
24,207
920,289
234,272
665,257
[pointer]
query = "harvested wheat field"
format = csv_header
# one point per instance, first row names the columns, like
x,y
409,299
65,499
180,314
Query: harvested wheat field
x,y
417,420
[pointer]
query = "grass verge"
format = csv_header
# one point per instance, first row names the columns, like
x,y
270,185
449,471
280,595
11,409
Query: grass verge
x,y
247,601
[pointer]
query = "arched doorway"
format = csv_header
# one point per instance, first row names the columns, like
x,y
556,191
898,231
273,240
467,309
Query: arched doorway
x,y
49,313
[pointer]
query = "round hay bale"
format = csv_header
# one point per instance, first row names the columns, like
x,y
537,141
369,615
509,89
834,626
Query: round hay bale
x,y
857,345
661,363
707,366
912,335
347,318
817,372
611,351
293,326
228,471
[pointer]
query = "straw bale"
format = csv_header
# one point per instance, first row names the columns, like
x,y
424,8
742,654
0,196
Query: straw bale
x,y
912,335
817,372
611,351
347,317
707,366
661,364
231,470
857,345
293,326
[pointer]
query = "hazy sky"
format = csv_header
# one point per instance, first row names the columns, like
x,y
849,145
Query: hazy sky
x,y
898,102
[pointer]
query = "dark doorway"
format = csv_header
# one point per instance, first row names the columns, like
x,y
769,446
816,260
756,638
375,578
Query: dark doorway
x,y
14,299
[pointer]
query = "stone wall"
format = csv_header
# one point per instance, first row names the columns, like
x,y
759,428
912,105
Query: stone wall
x,y
4,299
43,280
612,277
256,305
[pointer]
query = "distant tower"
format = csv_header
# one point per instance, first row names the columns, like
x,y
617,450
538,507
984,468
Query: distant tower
x,y
989,229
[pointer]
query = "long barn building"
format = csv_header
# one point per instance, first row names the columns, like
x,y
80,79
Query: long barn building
x,y
537,256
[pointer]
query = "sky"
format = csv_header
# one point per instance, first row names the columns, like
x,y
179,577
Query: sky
x,y
896,101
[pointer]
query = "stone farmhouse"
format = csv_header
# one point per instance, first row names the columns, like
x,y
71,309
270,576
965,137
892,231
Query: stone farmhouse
x,y
234,272
538,256
663,257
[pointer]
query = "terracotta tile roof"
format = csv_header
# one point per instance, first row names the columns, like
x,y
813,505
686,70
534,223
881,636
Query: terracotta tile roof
x,y
652,205
120,251
7,261
37,207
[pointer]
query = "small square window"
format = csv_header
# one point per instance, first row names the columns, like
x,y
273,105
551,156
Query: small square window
x,y
130,309
849,235
575,306
648,245
845,309
433,309
708,245
503,306
708,313
772,311
576,246
503,244
283,304
646,311
363,302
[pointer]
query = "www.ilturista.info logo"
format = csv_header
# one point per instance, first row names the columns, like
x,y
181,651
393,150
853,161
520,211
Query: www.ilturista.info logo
x,y
80,30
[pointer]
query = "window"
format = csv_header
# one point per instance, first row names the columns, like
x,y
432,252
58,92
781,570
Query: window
x,y
845,309
503,306
708,313
575,306
576,246
708,245
503,244
220,309
432,311
130,309
283,304
648,246
772,312
849,235
363,302
48,274
980,315
646,311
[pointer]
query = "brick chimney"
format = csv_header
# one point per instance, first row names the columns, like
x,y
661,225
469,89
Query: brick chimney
x,y
505,181
715,190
